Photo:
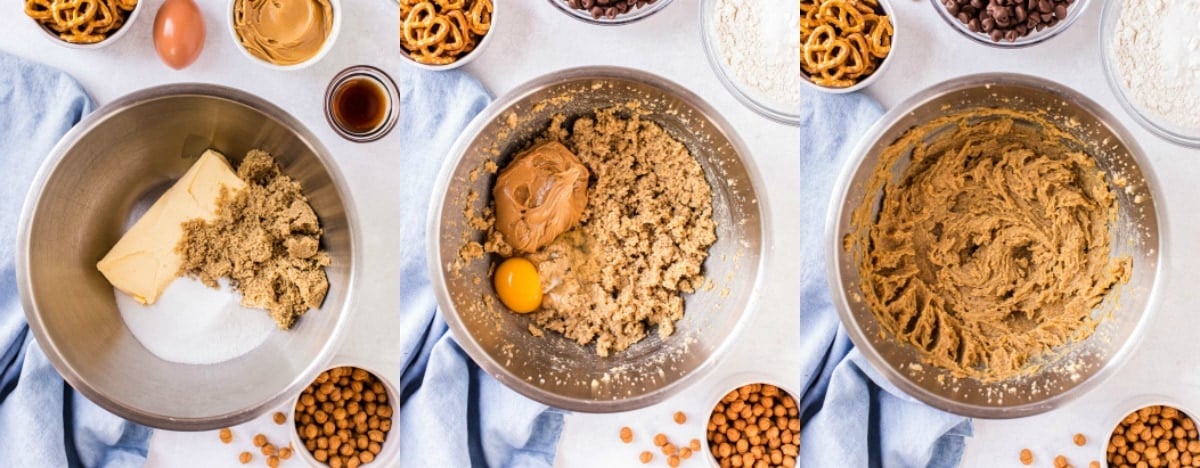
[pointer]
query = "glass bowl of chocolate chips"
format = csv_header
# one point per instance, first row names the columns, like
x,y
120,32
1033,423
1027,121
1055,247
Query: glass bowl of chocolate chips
x,y
1010,23
610,12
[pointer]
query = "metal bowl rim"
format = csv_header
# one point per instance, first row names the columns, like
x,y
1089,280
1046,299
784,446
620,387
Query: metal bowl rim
x,y
837,207
33,199
434,226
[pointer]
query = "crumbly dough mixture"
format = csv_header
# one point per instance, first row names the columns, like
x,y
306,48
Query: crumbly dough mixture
x,y
266,240
641,241
992,248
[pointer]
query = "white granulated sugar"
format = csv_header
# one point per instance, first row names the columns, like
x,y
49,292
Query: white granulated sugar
x,y
1157,52
194,324
759,41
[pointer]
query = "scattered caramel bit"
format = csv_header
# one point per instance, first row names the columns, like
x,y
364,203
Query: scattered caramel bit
x,y
695,445
285,453
273,461
260,440
673,461
680,418
226,435
1094,464
669,449
245,457
646,456
626,435
1080,440
279,418
660,439
685,453
268,450
1061,462
1026,457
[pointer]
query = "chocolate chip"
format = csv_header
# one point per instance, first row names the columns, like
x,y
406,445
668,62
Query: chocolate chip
x,y
610,8
1007,19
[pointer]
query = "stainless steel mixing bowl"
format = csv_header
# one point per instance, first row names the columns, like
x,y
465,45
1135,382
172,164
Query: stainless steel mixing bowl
x,y
1080,366
89,191
552,369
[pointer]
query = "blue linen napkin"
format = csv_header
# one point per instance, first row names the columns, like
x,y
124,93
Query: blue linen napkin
x,y
850,415
452,412
43,421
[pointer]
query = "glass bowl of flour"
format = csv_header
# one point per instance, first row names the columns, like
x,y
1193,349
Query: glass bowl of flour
x,y
1151,55
754,47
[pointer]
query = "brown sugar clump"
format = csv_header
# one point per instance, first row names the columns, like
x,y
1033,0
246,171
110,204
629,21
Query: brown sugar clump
x,y
266,240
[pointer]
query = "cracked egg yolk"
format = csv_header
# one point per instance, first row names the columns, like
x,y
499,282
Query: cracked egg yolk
x,y
518,285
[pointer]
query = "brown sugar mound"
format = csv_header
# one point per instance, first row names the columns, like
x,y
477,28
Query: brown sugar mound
x,y
266,240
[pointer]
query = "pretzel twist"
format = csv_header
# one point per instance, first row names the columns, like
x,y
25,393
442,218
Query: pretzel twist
x,y
842,41
81,21
438,32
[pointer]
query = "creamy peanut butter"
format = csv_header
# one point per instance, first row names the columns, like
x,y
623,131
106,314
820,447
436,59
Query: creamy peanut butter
x,y
541,194
283,32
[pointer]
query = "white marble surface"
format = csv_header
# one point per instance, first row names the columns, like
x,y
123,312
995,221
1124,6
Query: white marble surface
x,y
532,39
932,52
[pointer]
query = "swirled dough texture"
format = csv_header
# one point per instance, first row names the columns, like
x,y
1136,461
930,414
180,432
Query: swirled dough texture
x,y
642,239
991,249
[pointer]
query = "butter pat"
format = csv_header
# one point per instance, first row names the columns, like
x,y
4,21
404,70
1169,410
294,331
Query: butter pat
x,y
144,262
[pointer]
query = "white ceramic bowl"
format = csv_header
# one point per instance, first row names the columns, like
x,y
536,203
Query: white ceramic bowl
x,y
883,66
729,384
335,5
53,36
1129,406
389,453
463,60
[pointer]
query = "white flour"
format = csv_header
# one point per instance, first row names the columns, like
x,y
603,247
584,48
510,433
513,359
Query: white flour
x,y
759,41
194,324
1157,52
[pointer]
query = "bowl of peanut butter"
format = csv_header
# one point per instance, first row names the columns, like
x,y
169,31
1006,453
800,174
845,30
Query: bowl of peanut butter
x,y
285,34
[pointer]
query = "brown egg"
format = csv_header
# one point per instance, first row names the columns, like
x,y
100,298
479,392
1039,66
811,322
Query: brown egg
x,y
178,33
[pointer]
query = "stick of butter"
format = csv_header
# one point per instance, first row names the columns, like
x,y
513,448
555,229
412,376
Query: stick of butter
x,y
144,261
